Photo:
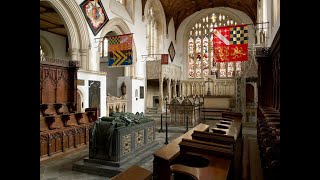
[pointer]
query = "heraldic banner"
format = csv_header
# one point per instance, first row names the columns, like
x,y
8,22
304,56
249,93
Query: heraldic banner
x,y
230,43
120,50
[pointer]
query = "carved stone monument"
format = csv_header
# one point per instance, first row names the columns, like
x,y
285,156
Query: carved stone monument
x,y
115,141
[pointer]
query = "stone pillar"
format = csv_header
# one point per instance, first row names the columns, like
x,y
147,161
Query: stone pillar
x,y
169,89
74,54
192,89
180,89
126,71
186,89
201,89
160,95
84,58
175,88
132,71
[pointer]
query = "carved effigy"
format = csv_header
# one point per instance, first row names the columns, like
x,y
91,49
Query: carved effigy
x,y
117,137
63,130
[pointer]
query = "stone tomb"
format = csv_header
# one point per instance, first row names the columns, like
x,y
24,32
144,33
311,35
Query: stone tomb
x,y
117,142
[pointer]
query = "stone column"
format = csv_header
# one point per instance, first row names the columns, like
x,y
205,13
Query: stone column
x,y
160,95
187,87
201,88
74,54
133,71
169,89
126,71
180,88
84,59
192,88
175,88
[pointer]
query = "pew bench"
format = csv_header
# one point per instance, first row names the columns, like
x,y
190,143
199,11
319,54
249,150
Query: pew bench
x,y
167,155
134,173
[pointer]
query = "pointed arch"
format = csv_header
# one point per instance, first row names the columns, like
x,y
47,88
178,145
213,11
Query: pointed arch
x,y
75,23
160,20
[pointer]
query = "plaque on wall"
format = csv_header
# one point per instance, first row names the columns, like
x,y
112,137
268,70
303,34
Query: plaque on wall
x,y
80,82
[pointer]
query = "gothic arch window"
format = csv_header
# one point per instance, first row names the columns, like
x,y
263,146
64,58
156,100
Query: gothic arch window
x,y
152,32
103,47
200,49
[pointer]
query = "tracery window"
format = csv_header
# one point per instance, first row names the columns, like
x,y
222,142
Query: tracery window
x,y
103,47
200,49
152,32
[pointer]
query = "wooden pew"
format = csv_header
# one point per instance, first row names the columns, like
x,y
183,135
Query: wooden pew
x,y
232,136
166,156
134,173
218,156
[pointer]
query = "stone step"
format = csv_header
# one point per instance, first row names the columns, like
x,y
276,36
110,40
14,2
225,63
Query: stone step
x,y
100,169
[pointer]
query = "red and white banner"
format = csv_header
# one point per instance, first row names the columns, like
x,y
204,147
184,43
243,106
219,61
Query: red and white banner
x,y
230,43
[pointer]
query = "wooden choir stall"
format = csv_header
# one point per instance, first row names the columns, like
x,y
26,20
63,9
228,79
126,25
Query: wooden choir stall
x,y
62,128
203,153
268,122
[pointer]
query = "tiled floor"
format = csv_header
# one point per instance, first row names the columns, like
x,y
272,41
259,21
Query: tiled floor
x,y
62,168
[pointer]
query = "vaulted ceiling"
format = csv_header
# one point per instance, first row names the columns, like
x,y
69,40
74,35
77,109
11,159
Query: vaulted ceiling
x,y
180,9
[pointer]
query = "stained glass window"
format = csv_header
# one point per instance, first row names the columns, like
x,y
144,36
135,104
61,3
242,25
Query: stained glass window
x,y
103,47
191,57
200,49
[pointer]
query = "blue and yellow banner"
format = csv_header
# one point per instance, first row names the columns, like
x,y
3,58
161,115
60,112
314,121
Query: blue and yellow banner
x,y
120,50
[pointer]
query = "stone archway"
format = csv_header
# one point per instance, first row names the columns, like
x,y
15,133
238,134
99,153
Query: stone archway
x,y
77,29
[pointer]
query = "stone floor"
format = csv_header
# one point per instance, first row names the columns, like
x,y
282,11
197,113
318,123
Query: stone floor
x,y
61,169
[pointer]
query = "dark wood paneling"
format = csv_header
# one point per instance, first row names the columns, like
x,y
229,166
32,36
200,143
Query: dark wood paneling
x,y
57,84
249,93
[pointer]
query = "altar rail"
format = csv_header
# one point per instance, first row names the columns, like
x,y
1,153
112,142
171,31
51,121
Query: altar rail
x,y
62,130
